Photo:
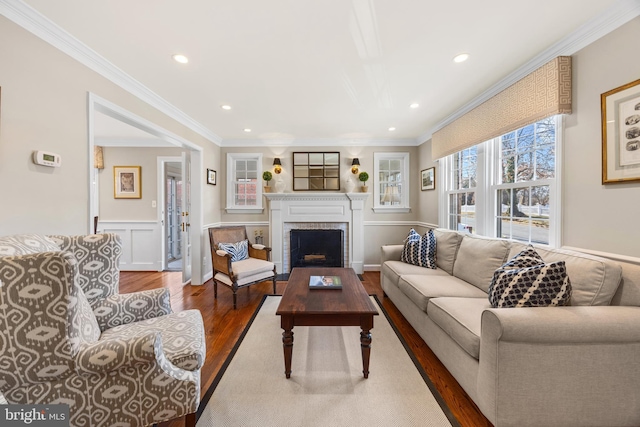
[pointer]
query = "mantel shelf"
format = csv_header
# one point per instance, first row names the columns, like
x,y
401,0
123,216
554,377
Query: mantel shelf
x,y
318,195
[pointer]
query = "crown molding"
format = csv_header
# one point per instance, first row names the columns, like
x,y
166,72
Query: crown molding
x,y
33,21
617,15
319,142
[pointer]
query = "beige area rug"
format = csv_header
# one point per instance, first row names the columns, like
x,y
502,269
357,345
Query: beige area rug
x,y
326,387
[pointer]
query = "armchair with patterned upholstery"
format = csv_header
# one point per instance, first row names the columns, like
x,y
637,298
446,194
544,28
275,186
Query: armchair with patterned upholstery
x,y
54,349
237,263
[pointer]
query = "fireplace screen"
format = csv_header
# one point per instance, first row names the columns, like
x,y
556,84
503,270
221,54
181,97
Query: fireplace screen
x,y
317,248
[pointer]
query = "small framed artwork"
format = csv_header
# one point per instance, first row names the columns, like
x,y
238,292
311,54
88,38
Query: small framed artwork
x,y
621,134
428,179
127,182
211,177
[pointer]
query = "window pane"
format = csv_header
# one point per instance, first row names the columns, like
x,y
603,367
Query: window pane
x,y
467,212
394,165
540,231
508,170
241,165
540,202
525,167
252,165
545,163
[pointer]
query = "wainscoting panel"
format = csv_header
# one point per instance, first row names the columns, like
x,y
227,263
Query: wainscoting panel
x,y
141,246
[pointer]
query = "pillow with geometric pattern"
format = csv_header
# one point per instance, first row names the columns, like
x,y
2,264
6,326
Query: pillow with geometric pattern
x,y
527,281
238,251
420,250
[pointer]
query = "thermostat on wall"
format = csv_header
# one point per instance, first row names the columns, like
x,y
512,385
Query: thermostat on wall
x,y
45,158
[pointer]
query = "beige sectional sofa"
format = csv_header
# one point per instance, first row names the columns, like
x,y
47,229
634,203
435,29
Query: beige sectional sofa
x,y
546,366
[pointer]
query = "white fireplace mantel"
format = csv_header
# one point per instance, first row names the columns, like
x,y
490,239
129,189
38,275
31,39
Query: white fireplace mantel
x,y
316,207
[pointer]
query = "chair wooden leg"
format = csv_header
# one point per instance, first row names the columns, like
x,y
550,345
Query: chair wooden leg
x,y
215,289
190,420
235,298
274,285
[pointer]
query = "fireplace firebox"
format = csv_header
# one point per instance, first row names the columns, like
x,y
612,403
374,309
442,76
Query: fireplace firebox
x,y
316,248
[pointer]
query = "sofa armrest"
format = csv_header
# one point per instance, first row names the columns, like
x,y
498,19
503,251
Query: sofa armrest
x,y
122,309
584,357
390,253
114,353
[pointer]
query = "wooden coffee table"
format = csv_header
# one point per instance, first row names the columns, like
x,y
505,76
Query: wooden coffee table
x,y
349,306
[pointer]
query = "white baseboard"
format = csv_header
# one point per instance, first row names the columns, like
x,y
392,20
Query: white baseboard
x,y
372,267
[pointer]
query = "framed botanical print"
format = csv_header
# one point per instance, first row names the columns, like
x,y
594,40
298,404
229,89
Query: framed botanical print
x,y
621,134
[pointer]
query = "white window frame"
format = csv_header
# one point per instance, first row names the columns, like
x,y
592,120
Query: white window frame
x,y
487,175
404,206
231,169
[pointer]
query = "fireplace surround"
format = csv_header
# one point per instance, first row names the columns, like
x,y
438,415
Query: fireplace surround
x,y
343,211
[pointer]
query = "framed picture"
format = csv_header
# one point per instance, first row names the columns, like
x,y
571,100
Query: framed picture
x,y
621,134
316,171
211,177
428,179
127,182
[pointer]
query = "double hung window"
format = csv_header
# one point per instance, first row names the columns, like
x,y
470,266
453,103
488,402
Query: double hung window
x,y
507,186
244,177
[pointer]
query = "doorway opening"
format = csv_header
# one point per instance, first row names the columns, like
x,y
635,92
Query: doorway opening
x,y
173,207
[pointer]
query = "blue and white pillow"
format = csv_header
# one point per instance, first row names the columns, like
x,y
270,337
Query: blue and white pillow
x,y
238,251
420,250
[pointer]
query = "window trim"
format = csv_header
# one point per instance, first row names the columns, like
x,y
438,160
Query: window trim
x,y
404,206
487,179
231,163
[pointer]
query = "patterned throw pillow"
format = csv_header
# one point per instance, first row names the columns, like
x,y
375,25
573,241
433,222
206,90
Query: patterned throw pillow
x,y
238,251
526,281
420,250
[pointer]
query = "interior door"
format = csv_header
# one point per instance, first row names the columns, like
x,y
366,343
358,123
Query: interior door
x,y
184,217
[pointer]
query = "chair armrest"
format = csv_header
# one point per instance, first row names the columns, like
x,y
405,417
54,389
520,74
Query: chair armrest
x,y
114,353
264,253
121,309
221,263
390,253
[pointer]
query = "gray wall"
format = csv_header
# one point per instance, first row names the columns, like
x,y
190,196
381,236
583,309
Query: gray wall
x,y
599,217
112,209
44,107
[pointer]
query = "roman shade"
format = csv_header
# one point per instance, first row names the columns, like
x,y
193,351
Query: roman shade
x,y
542,93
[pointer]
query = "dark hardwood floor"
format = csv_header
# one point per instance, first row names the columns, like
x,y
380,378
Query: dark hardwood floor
x,y
223,326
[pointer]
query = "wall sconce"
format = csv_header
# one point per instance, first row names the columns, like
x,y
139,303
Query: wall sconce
x,y
354,166
98,157
277,164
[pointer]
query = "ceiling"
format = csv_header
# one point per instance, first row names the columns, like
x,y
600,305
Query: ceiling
x,y
295,70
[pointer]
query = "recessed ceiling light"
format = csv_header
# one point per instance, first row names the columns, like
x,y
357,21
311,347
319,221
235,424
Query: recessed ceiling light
x,y
414,105
461,58
391,129
247,130
180,58
226,107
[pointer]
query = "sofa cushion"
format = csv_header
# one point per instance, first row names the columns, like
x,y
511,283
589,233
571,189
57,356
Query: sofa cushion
x,y
447,244
394,269
420,250
594,280
478,258
526,281
421,288
26,244
461,319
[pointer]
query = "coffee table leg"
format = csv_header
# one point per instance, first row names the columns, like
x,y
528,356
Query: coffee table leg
x,y
287,343
366,324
